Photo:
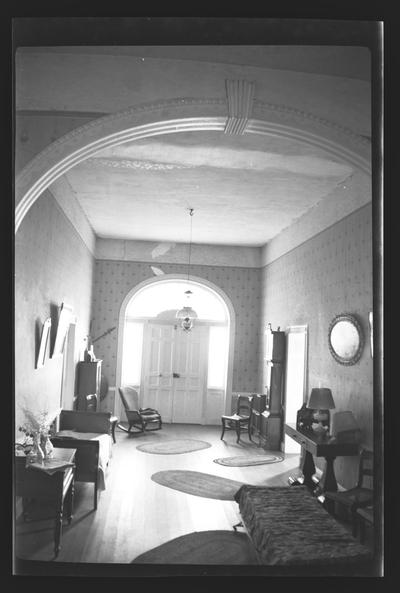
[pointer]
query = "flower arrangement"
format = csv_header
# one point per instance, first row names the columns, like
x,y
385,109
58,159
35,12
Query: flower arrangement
x,y
37,430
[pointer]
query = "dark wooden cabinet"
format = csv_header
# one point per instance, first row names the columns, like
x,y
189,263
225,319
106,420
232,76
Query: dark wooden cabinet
x,y
259,405
271,422
88,385
275,345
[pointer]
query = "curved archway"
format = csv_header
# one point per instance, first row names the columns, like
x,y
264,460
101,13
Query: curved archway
x,y
195,281
175,116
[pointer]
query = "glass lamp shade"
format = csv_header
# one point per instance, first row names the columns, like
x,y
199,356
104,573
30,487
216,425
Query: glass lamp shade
x,y
321,399
186,312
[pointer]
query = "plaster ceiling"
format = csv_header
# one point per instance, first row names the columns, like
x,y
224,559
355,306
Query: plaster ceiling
x,y
244,190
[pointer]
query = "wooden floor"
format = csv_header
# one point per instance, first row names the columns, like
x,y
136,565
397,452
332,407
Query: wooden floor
x,y
136,514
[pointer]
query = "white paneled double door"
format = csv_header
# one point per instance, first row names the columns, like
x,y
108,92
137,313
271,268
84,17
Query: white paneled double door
x,y
174,372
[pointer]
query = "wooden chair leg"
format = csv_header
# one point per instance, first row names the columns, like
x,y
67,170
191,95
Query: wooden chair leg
x,y
58,529
71,502
238,431
354,523
95,495
361,525
223,429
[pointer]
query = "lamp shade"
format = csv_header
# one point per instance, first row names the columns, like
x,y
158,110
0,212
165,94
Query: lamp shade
x,y
186,312
321,399
342,422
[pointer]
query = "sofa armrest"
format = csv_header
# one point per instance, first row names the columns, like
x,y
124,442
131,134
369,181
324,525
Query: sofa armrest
x,y
85,421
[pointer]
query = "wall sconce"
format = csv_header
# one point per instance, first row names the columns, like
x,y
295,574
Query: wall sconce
x,y
321,401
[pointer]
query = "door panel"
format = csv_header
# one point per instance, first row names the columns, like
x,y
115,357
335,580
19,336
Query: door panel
x,y
157,369
168,352
295,379
190,364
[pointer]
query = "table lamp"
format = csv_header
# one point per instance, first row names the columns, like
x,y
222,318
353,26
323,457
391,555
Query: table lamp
x,y
344,428
321,401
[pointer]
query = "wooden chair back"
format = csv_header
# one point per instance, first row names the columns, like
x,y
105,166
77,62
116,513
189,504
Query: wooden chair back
x,y
244,405
129,398
366,468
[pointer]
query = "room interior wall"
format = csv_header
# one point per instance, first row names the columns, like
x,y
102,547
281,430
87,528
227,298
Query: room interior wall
x,y
325,276
52,266
114,279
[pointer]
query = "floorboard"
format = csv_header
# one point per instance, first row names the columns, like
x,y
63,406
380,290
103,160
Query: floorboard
x,y
136,514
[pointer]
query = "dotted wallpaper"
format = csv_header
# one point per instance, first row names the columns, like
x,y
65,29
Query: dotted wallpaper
x,y
114,279
328,275
52,265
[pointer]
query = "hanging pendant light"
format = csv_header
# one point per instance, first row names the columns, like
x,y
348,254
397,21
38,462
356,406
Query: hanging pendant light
x,y
187,314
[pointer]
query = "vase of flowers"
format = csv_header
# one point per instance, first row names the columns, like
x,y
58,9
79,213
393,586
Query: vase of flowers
x,y
38,452
37,431
47,446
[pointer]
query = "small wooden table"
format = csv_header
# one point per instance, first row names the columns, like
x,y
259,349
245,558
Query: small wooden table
x,y
32,483
320,446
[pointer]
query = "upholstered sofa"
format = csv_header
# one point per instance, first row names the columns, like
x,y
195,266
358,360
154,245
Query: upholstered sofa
x,y
90,434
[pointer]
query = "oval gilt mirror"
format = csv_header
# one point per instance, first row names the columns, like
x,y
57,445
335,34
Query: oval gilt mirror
x,y
346,339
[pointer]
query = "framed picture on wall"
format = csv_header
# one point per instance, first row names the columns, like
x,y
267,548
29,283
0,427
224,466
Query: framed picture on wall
x,y
44,341
64,320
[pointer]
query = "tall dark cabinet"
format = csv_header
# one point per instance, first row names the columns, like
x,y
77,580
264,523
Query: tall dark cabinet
x,y
272,419
259,410
88,386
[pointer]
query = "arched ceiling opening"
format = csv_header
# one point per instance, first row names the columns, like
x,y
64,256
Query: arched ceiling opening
x,y
135,172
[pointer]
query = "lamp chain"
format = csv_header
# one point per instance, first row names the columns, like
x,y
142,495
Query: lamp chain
x,y
191,211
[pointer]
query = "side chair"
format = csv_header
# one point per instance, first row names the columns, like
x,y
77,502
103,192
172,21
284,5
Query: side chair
x,y
360,496
241,420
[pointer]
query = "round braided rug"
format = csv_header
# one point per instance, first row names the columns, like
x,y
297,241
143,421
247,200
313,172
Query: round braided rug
x,y
203,547
244,461
173,447
198,483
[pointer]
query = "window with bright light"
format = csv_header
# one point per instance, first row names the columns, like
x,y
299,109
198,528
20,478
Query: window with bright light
x,y
132,353
170,295
217,352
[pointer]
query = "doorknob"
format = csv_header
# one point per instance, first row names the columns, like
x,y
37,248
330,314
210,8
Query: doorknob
x,y
176,375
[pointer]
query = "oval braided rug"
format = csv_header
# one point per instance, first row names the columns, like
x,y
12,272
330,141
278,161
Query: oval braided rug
x,y
198,483
244,461
173,447
202,547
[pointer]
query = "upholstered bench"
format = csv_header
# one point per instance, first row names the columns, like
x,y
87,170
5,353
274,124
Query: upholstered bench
x,y
289,528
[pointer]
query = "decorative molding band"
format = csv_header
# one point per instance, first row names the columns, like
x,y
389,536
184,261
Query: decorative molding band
x,y
178,115
142,252
334,148
240,95
284,111
114,118
130,164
